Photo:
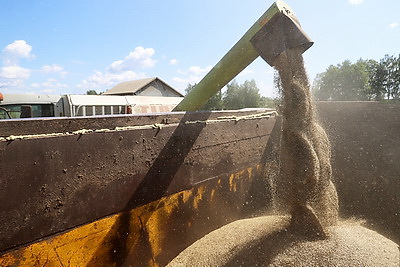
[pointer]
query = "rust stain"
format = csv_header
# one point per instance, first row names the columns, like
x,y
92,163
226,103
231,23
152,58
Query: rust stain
x,y
232,183
198,197
250,172
263,22
144,229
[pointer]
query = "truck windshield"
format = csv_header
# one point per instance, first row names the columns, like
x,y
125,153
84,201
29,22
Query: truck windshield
x,y
38,110
4,114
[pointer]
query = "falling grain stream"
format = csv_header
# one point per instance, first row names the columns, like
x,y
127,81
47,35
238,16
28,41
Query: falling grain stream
x,y
309,233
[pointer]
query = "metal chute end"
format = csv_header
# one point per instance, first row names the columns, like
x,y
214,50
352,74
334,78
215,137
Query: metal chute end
x,y
282,32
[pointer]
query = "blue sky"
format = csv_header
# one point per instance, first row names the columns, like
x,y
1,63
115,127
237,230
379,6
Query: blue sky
x,y
57,47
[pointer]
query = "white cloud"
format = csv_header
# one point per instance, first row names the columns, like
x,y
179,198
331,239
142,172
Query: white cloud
x,y
49,91
394,25
198,70
35,85
6,84
355,2
140,58
191,76
101,80
173,62
54,69
121,70
15,51
11,73
18,48
49,86
195,70
14,72
182,83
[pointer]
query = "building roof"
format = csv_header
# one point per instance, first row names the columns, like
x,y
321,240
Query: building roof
x,y
131,87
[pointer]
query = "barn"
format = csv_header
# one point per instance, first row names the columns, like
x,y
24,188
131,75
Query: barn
x,y
144,87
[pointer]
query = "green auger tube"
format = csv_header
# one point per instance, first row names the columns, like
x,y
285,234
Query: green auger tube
x,y
275,31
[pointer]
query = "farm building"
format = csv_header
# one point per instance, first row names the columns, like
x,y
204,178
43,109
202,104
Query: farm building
x,y
144,87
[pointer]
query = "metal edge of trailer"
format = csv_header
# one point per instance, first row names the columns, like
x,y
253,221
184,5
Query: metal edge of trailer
x,y
136,195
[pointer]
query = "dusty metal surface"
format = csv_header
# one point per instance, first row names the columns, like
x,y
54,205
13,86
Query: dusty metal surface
x,y
65,125
53,183
82,192
365,149
282,32
150,235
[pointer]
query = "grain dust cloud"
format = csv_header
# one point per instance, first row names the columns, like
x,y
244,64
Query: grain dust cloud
x,y
309,233
306,172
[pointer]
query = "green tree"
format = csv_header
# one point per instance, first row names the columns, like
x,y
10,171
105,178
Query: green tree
x,y
364,80
396,77
237,96
391,65
269,102
232,99
377,80
346,81
277,82
91,92
246,95
214,103
189,88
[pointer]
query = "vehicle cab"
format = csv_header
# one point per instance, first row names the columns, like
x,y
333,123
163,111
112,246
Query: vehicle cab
x,y
17,106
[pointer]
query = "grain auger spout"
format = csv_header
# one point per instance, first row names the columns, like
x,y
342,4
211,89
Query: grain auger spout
x,y
275,31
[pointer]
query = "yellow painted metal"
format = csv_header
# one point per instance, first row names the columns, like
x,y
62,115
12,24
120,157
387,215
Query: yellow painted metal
x,y
93,244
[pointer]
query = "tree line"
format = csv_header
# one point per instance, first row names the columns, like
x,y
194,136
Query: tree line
x,y
236,96
363,80
360,81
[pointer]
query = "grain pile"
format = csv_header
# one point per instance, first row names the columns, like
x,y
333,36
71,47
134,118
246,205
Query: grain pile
x,y
311,234
267,241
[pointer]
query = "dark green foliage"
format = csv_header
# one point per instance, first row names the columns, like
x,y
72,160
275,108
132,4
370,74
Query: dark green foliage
x,y
91,92
389,66
363,80
214,103
236,96
346,81
268,102
245,95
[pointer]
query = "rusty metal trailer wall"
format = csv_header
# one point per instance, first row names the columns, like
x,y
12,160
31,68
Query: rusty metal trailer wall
x,y
141,193
68,174
365,138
